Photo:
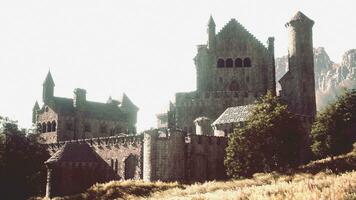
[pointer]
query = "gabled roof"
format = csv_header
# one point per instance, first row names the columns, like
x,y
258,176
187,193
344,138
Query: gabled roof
x,y
126,103
234,27
234,114
74,152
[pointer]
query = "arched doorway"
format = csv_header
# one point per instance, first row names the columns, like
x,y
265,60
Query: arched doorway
x,y
131,164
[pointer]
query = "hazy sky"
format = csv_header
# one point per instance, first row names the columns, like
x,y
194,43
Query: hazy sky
x,y
142,48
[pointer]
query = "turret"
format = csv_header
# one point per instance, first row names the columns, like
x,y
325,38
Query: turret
x,y
48,89
211,34
130,110
203,126
272,70
301,65
35,108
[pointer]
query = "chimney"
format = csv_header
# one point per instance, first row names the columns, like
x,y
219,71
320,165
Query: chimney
x,y
79,98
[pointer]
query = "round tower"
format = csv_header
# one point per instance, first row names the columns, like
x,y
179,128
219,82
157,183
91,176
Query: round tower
x,y
149,155
301,65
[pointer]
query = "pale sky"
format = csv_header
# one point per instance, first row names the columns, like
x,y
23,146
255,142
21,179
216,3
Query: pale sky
x,y
142,48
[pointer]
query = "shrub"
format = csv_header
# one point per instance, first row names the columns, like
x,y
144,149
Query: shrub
x,y
271,140
334,130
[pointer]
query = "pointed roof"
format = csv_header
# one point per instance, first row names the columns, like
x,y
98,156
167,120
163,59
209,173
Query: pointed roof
x,y
127,103
74,152
211,21
49,79
300,17
36,106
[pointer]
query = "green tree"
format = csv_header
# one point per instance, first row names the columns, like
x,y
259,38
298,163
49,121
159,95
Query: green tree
x,y
334,130
271,140
22,169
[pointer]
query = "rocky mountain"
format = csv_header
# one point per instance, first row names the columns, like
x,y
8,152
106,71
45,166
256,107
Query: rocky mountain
x,y
330,77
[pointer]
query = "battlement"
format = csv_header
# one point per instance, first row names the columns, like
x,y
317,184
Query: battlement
x,y
102,141
207,140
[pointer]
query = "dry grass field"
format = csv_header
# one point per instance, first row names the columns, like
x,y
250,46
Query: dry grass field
x,y
322,179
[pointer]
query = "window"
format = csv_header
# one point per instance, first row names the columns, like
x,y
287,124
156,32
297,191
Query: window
x,y
247,79
247,62
44,127
238,62
54,126
229,63
221,63
49,126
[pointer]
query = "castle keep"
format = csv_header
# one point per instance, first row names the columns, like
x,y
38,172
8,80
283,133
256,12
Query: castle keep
x,y
96,142
62,119
233,69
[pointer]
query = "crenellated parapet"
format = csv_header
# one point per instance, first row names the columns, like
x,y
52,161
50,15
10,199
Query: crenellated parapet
x,y
101,141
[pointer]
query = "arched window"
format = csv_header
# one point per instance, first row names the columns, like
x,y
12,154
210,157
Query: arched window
x,y
54,126
229,62
49,127
238,62
44,127
247,62
221,63
234,86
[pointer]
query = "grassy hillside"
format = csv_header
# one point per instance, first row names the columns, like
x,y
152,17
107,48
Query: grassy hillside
x,y
323,179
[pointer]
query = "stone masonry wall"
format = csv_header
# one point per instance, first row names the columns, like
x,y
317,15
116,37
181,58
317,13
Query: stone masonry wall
x,y
115,151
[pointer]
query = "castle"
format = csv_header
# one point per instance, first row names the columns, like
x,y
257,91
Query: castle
x,y
233,69
61,119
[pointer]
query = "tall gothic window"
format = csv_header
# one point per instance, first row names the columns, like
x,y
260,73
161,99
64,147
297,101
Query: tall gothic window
x,y
54,126
221,63
247,62
49,126
229,62
238,62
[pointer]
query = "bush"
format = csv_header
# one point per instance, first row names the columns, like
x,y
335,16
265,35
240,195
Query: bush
x,y
271,140
22,169
334,130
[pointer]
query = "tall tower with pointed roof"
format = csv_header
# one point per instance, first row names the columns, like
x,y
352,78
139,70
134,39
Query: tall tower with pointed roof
x,y
48,88
298,83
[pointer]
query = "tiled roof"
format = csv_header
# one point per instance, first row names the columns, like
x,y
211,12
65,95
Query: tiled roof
x,y
234,114
75,152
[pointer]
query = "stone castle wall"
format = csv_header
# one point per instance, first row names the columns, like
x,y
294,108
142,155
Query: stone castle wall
x,y
115,151
177,157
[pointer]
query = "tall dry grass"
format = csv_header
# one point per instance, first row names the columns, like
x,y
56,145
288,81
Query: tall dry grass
x,y
322,179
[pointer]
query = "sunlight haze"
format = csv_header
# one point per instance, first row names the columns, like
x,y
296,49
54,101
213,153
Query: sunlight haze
x,y
142,48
